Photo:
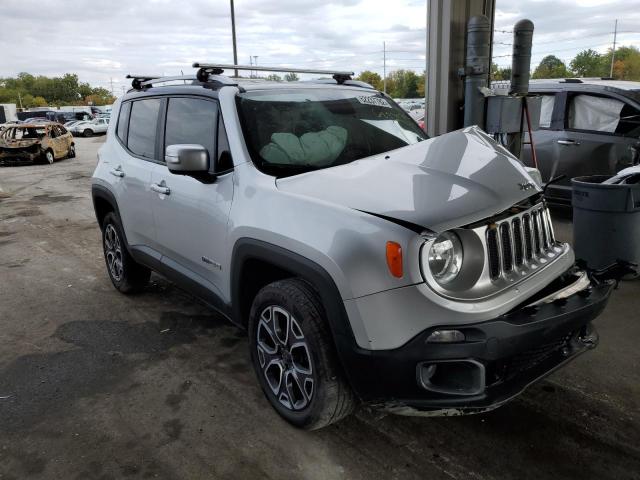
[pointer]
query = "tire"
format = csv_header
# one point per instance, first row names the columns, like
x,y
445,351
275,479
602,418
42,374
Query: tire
x,y
49,157
320,395
87,132
125,273
72,151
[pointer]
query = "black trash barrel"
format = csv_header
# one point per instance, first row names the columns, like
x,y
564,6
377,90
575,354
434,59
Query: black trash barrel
x,y
606,221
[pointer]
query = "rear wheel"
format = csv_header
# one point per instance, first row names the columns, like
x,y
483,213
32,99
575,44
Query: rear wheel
x,y
48,156
125,273
87,132
294,357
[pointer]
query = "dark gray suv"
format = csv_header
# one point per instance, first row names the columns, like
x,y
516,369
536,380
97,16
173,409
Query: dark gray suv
x,y
587,127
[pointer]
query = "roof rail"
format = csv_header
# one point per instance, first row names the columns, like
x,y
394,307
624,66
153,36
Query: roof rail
x,y
572,80
141,81
217,69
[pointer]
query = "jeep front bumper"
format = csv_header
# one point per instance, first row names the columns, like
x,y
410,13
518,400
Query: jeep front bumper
x,y
497,361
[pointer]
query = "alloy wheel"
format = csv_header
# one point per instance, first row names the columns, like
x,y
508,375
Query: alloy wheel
x,y
285,358
113,252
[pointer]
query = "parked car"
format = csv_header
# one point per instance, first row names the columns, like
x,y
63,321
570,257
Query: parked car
x,y
36,141
587,127
367,262
90,128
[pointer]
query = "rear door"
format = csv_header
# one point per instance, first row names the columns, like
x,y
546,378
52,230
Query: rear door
x,y
191,219
57,141
131,166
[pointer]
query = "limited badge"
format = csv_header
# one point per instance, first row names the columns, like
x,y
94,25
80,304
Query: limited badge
x,y
374,101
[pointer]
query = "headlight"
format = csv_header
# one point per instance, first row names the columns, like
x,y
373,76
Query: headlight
x,y
445,257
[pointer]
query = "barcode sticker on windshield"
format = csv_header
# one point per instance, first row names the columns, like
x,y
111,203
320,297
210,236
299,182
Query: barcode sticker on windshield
x,y
374,101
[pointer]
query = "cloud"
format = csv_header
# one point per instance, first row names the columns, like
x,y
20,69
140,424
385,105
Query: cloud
x,y
103,41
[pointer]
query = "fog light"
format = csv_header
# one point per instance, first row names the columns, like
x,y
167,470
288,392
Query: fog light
x,y
446,336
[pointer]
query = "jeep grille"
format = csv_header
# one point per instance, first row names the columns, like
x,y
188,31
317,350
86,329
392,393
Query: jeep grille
x,y
516,241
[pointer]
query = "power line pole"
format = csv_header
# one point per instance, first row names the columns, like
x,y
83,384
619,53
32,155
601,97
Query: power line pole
x,y
384,67
255,62
111,81
251,65
613,51
233,34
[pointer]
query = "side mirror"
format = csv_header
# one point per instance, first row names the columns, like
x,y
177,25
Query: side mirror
x,y
186,159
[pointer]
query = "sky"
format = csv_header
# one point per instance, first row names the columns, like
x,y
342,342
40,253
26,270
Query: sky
x,y
103,41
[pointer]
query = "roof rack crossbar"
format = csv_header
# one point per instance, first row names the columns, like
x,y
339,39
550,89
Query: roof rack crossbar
x,y
216,68
137,80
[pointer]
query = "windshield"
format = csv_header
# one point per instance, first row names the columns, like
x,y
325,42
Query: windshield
x,y
297,130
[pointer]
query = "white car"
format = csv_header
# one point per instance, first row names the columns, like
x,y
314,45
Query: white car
x,y
90,128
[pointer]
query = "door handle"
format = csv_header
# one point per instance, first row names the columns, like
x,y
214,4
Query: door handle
x,y
117,172
160,188
568,142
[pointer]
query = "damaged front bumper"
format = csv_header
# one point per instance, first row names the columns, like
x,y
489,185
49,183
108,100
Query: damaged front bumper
x,y
497,360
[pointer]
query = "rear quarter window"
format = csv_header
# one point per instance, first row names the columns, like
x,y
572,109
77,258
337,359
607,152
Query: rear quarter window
x,y
123,122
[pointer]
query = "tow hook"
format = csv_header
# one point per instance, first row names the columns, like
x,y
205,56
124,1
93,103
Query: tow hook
x,y
588,337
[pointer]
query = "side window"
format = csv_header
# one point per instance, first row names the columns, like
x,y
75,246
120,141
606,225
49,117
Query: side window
x,y
192,120
143,122
593,113
123,122
546,110
53,132
62,129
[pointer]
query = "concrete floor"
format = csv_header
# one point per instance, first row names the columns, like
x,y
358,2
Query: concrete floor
x,y
98,385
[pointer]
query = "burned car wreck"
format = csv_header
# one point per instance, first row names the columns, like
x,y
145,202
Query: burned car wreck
x,y
32,142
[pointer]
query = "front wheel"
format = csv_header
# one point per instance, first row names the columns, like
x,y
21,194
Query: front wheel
x,y
125,273
48,156
294,357
72,151
87,132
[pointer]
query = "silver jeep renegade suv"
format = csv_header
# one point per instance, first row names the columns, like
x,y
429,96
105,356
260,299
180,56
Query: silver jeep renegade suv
x,y
367,262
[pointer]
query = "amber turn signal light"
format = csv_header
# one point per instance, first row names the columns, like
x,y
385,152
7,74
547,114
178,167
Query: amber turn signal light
x,y
394,259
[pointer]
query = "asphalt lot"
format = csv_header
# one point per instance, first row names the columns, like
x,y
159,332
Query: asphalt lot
x,y
98,385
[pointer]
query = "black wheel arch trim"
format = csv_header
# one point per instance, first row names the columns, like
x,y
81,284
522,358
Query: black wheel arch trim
x,y
99,191
246,249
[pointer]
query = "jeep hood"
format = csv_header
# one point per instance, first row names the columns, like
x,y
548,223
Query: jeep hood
x,y
441,183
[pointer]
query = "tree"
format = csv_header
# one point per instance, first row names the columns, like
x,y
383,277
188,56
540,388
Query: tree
x,y
291,77
498,73
551,67
39,102
372,78
99,96
403,84
274,78
588,63
626,65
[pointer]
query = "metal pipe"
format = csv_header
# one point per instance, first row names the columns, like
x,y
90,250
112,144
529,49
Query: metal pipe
x,y
477,69
521,60
233,36
520,72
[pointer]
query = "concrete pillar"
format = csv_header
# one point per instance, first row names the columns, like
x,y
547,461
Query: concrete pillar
x,y
446,48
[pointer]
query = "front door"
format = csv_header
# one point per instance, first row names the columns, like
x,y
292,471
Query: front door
x,y
191,216
599,135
